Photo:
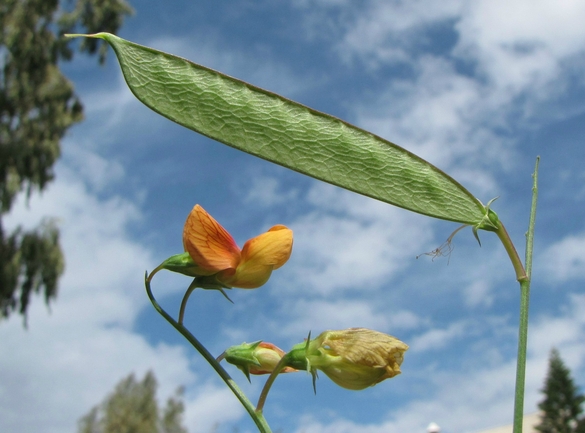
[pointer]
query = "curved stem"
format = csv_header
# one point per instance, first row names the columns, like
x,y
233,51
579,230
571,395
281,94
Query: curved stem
x,y
153,273
524,304
512,253
192,287
279,367
257,417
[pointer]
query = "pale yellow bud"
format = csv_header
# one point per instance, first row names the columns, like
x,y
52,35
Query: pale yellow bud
x,y
356,358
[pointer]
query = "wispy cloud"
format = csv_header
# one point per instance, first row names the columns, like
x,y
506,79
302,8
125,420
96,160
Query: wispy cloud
x,y
565,259
482,397
257,68
72,355
351,242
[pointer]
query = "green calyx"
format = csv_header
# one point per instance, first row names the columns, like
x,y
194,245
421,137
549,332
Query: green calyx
x,y
243,356
182,264
297,357
490,221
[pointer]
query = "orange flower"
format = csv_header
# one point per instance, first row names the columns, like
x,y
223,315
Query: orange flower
x,y
217,256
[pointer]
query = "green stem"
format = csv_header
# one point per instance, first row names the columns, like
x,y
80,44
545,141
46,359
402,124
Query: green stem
x,y
512,253
192,287
524,304
279,367
532,222
521,362
257,417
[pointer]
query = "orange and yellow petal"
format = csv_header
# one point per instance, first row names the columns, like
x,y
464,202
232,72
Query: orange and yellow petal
x,y
260,256
210,246
271,248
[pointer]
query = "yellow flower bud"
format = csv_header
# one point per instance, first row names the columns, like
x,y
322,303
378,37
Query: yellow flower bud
x,y
354,358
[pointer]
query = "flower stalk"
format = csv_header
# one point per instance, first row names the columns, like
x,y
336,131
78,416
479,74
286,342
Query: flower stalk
x,y
257,417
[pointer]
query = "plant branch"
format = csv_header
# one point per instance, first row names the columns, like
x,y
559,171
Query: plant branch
x,y
512,253
524,304
279,367
257,417
192,287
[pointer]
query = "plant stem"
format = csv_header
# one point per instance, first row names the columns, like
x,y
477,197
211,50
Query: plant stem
x,y
279,367
257,417
524,303
192,287
512,253
532,222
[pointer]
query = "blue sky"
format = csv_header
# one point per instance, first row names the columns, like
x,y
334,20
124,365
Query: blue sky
x,y
477,88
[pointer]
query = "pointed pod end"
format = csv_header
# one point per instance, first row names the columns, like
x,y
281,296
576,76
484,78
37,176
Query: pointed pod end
x,y
101,35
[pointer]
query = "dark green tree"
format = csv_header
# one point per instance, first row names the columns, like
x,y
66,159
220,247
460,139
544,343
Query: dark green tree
x,y
562,405
37,106
580,426
132,408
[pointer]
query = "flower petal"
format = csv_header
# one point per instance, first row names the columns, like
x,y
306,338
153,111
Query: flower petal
x,y
210,246
356,358
268,356
260,256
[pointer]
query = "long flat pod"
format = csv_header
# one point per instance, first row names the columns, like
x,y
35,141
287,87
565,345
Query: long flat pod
x,y
290,134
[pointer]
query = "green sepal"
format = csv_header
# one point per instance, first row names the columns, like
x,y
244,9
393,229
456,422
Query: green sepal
x,y
490,221
315,377
297,356
242,356
209,282
183,264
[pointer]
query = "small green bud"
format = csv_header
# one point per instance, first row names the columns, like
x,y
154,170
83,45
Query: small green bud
x,y
183,264
255,358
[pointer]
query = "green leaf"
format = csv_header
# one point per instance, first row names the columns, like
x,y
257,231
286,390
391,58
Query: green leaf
x,y
290,134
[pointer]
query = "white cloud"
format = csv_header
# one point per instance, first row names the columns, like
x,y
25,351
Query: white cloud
x,y
352,242
438,338
437,115
70,358
459,108
565,332
517,45
211,408
110,106
209,50
319,316
480,397
565,259
266,191
526,53
389,32
99,172
478,294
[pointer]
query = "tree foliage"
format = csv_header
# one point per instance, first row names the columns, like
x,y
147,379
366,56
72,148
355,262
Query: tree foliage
x,y
37,106
563,404
132,408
